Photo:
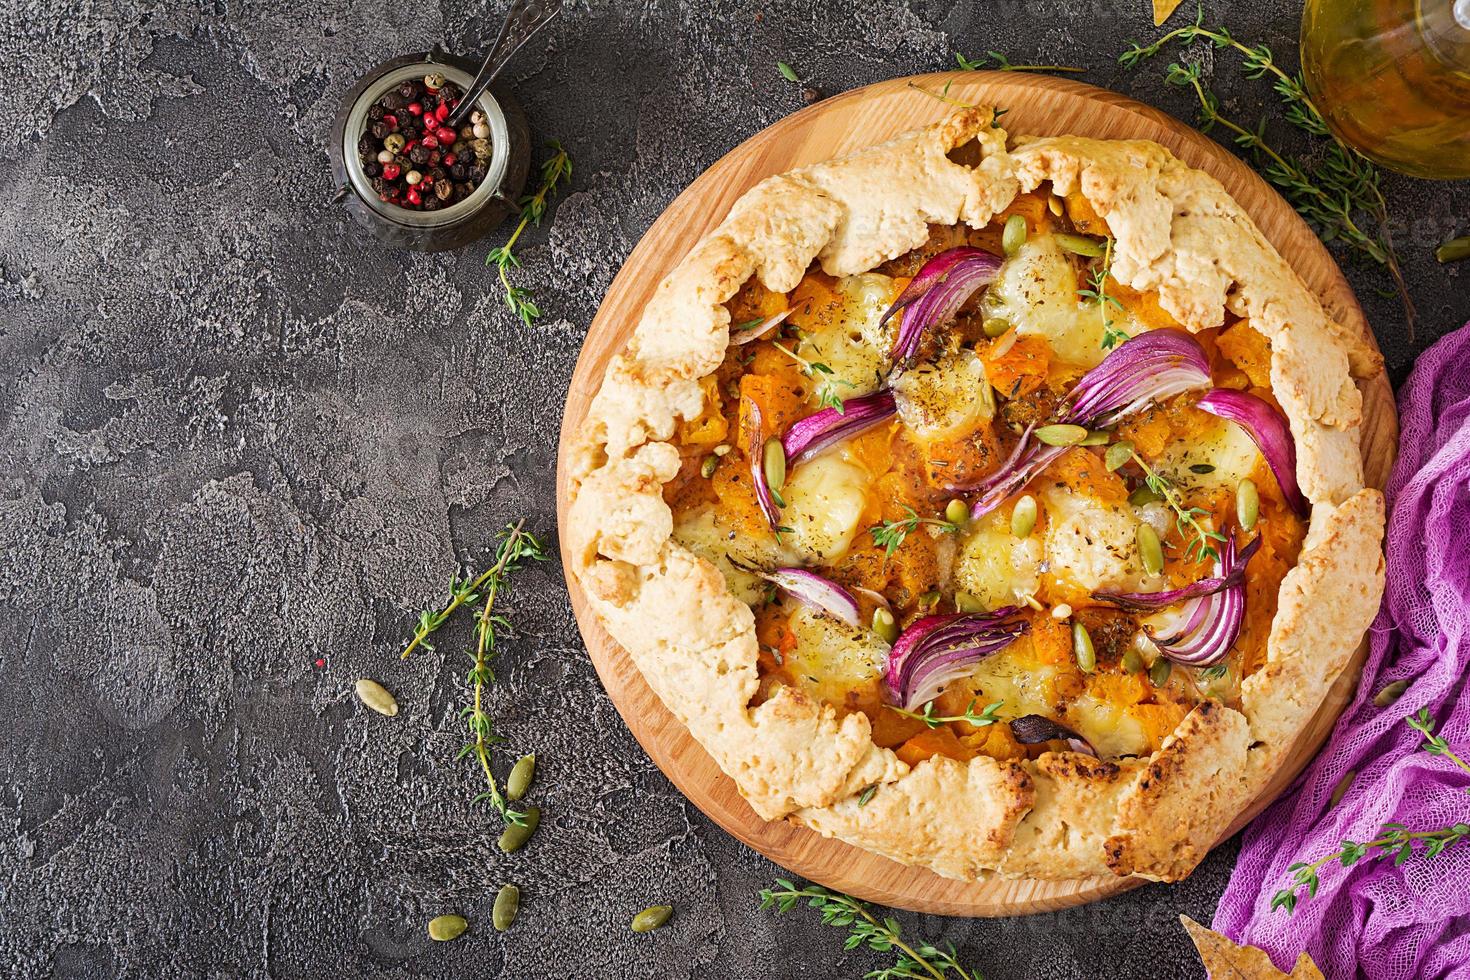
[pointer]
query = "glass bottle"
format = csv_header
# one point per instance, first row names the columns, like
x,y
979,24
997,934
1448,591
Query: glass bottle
x,y
1392,78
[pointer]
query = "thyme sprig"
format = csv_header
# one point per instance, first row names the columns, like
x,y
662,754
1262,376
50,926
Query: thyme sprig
x,y
516,546
1424,723
889,535
1395,841
533,209
829,386
1186,518
1097,292
1330,193
917,960
995,61
986,715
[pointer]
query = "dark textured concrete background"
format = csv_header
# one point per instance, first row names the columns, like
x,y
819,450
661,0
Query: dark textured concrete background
x,y
239,436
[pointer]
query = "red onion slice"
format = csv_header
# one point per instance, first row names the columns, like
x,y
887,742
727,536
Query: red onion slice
x,y
938,649
1149,601
1149,367
1144,369
936,294
1035,729
1215,620
740,337
816,592
828,427
1272,436
755,449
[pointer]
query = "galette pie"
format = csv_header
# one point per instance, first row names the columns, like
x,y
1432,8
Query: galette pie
x,y
994,506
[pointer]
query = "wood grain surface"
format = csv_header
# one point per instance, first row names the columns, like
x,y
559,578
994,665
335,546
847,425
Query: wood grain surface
x,y
1038,105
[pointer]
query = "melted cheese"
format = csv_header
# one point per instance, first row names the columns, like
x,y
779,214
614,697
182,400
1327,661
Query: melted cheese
x,y
1036,289
1092,545
701,531
1111,728
832,658
1225,446
994,565
1016,677
943,400
825,497
846,336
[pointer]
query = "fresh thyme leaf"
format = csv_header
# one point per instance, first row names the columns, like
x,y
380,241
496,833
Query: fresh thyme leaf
x,y
890,535
787,72
1186,519
515,546
944,96
1395,841
1097,292
748,324
999,62
867,794
914,959
533,209
1337,193
829,387
986,715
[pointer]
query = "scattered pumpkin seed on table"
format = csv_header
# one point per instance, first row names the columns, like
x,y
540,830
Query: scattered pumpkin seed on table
x,y
514,837
520,776
446,927
376,696
507,904
652,917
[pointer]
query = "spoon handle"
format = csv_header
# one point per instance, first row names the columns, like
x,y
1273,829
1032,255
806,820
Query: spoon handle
x,y
524,19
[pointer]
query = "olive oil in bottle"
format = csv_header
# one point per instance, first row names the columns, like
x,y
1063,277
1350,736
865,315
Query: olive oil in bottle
x,y
1392,78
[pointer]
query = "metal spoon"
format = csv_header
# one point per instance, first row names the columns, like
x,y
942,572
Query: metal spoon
x,y
524,19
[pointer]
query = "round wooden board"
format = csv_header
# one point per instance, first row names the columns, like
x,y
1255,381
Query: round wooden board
x,y
1038,105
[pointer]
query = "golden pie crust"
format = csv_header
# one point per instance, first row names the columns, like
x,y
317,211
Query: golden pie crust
x,y
1063,815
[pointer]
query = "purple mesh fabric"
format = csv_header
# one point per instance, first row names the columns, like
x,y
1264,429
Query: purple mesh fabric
x,y
1375,920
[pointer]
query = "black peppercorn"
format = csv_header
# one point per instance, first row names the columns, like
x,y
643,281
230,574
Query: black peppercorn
x,y
438,173
375,112
460,170
449,92
443,189
478,173
409,90
393,101
381,129
367,147
431,203
372,168
419,154
380,185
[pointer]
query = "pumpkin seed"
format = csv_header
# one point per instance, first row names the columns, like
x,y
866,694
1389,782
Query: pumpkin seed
x,y
1150,549
520,776
1014,235
376,696
967,603
884,625
1083,649
1098,438
1390,694
1158,674
1061,434
1118,454
1023,516
507,904
1054,205
652,917
1079,245
1143,495
1132,660
514,837
446,927
995,326
956,511
1247,504
708,467
773,461
1340,790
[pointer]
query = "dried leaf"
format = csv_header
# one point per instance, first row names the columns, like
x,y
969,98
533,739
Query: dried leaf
x,y
1162,10
1224,960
